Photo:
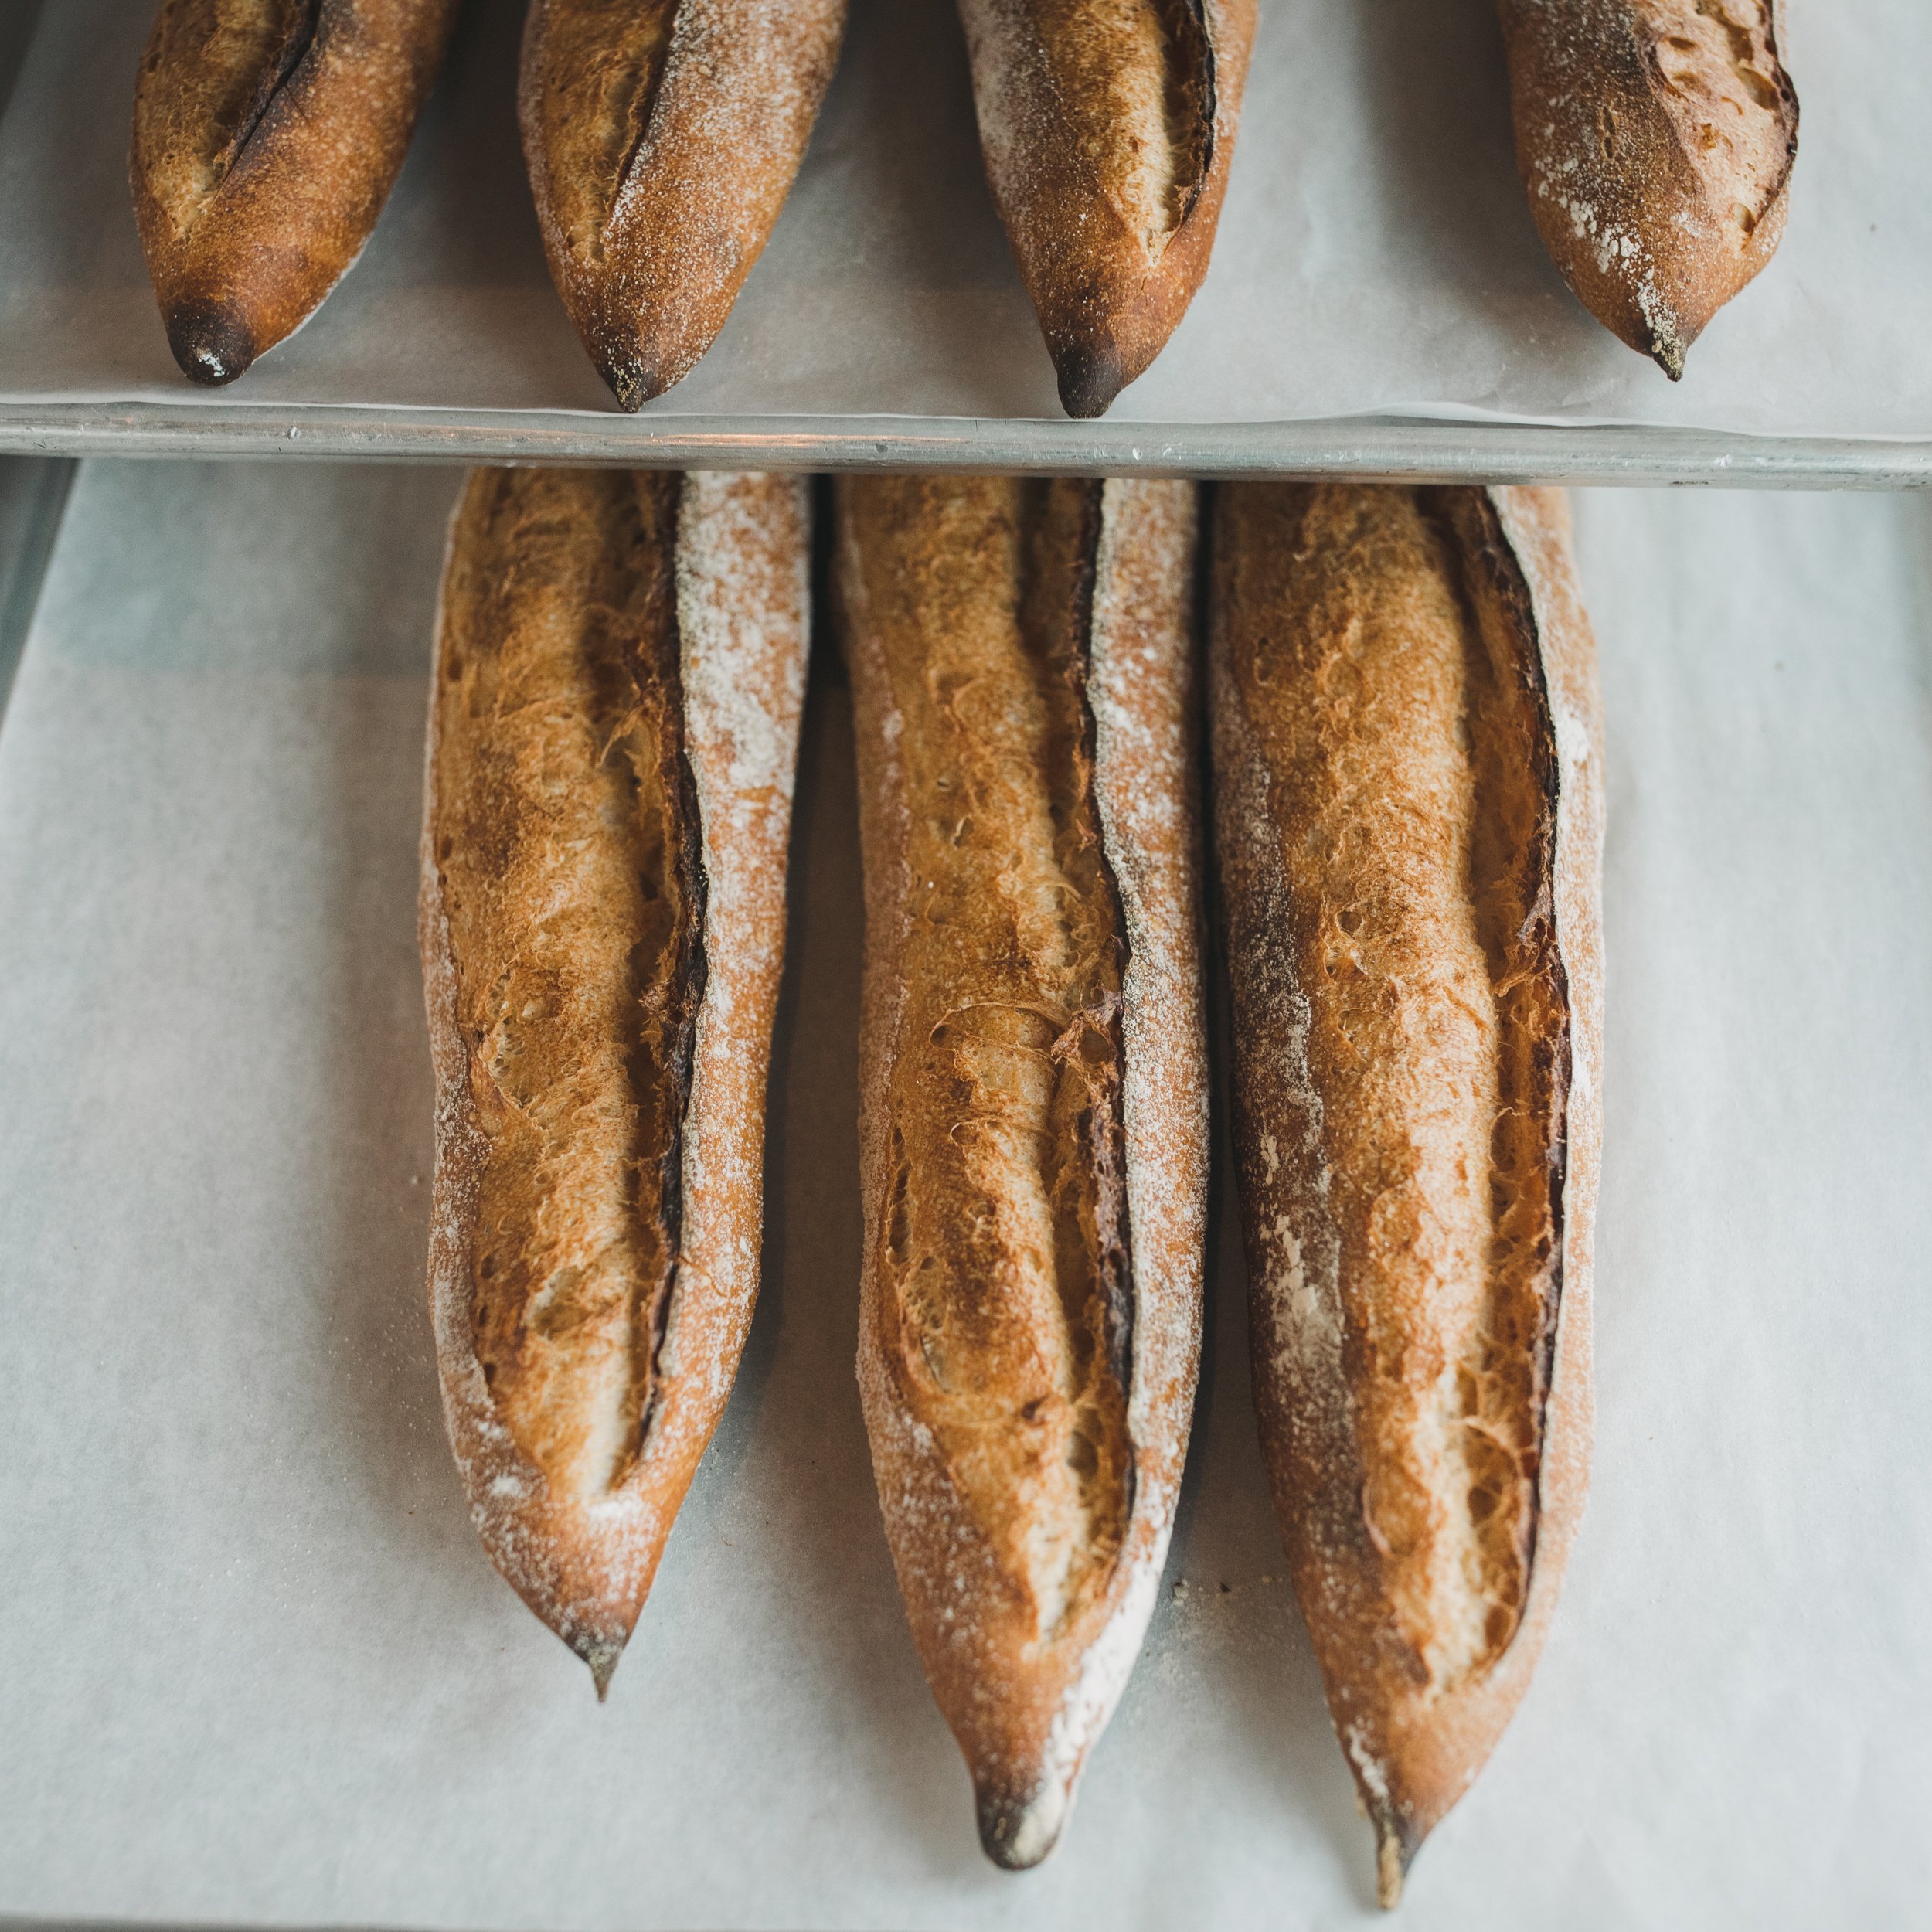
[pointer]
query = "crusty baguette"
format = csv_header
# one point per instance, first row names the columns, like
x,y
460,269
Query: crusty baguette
x,y
662,137
1409,814
613,732
1108,127
267,134
1656,138
1033,1123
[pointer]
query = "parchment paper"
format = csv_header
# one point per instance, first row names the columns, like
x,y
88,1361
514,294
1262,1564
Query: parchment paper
x,y
254,1665
1375,254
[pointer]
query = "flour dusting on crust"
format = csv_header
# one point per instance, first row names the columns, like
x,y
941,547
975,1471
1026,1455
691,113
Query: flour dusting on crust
x,y
1416,1723
1028,1703
585,1565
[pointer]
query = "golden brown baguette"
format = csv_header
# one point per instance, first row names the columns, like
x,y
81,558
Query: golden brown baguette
x,y
267,134
1033,1121
614,726
1656,138
1108,127
1409,820
662,137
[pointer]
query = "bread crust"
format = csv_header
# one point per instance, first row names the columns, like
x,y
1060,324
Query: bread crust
x,y
267,134
1033,1118
612,738
1108,128
1409,828
1656,139
661,140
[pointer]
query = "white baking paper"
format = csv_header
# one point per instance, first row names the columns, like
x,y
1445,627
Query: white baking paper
x,y
254,1665
1375,254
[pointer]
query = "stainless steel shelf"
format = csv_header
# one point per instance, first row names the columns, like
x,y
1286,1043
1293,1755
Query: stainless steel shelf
x,y
1372,448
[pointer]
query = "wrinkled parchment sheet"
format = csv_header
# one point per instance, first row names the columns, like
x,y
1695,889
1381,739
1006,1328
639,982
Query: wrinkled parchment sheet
x,y
253,1663
1376,253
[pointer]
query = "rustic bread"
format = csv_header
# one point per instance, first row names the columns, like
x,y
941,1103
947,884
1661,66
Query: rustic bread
x,y
1108,128
1033,1128
267,134
613,730
1409,812
1656,138
662,137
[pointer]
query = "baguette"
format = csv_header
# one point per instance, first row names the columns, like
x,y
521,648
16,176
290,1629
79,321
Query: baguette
x,y
613,727
1033,1124
1656,138
1409,820
1108,127
662,137
267,134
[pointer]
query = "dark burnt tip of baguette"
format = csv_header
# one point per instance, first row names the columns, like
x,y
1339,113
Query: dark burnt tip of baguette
x,y
602,1657
211,345
1091,374
1017,1830
630,385
640,354
1669,353
636,379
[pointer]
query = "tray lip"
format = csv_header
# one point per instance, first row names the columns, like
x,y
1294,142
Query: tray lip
x,y
1377,448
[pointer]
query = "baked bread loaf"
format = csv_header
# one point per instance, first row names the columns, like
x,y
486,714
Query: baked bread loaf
x,y
1408,783
267,134
1108,127
1033,1119
662,137
1656,138
614,726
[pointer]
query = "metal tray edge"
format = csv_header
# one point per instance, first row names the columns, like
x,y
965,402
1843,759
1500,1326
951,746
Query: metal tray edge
x,y
1376,449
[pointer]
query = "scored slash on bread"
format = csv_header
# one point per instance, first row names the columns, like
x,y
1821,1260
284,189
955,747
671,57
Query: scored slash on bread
x,y
662,137
1408,781
613,733
1108,127
1656,138
1033,1084
267,134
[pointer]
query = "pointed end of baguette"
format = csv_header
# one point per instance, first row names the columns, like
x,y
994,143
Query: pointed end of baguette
x,y
211,347
1017,1834
602,1659
640,361
1091,374
630,385
1662,329
546,1553
1392,1864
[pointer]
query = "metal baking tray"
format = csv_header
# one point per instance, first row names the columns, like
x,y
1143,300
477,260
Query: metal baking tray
x,y
1379,304
255,1668
1388,450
